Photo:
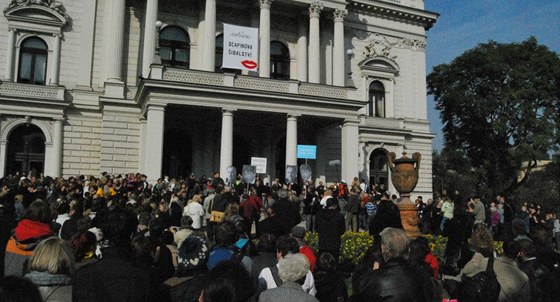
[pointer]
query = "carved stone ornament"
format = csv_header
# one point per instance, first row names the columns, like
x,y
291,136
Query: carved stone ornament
x,y
265,4
52,4
380,46
339,14
315,8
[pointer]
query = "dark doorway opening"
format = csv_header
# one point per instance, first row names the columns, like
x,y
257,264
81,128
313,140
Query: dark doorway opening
x,y
26,150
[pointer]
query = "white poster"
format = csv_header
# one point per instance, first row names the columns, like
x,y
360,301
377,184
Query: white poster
x,y
260,163
241,47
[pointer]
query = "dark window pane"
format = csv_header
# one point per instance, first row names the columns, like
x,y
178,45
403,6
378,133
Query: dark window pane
x,y
40,68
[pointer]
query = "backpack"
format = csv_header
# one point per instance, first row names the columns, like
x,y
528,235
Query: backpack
x,y
482,287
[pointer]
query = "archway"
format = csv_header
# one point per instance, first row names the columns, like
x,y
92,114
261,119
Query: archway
x,y
26,150
378,168
177,153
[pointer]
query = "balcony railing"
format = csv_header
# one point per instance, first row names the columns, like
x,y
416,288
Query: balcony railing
x,y
28,91
160,72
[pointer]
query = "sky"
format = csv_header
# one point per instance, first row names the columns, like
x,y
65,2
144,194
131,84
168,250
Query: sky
x,y
463,24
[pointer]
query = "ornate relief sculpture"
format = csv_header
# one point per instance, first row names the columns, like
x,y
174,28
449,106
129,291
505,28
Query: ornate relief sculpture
x,y
53,4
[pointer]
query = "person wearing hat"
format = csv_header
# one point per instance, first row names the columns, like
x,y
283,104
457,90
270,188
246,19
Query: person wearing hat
x,y
299,234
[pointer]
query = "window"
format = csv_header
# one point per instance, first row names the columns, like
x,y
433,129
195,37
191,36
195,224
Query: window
x,y
279,61
174,46
33,61
219,52
376,99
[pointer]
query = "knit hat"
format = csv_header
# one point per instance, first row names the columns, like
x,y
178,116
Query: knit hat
x,y
193,253
298,232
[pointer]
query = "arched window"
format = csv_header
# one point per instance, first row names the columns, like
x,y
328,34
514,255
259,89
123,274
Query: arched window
x,y
279,61
33,61
376,99
174,46
378,169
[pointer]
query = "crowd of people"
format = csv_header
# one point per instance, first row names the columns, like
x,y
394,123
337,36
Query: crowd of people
x,y
121,238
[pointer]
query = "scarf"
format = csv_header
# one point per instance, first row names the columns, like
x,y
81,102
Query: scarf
x,y
47,279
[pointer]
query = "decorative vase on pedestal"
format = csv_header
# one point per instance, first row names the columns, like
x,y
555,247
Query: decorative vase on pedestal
x,y
404,175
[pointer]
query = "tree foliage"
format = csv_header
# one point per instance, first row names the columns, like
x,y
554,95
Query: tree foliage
x,y
499,104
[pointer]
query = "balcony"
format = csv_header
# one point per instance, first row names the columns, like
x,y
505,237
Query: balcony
x,y
39,100
250,83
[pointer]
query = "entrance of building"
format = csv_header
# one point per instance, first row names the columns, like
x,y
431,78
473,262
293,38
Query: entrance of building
x,y
378,169
26,150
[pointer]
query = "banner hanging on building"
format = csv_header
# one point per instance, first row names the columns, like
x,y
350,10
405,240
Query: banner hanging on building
x,y
241,47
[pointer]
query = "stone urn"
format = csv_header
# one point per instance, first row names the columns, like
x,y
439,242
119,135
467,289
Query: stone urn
x,y
404,175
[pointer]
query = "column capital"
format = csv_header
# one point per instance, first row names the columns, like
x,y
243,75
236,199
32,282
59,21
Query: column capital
x,y
228,109
156,107
293,116
339,14
315,9
351,122
265,4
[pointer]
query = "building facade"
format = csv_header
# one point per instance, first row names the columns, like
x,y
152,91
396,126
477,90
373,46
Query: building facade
x,y
136,85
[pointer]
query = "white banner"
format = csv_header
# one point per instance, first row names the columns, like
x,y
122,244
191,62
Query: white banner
x,y
260,163
241,47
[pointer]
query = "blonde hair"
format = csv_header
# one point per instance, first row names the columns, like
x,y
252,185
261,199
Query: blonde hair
x,y
197,198
54,256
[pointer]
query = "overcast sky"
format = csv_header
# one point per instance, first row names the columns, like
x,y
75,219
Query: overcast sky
x,y
465,23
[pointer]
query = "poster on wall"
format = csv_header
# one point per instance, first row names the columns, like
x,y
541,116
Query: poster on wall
x,y
241,47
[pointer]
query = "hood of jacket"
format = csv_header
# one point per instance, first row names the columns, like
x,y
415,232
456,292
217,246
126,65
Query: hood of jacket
x,y
27,230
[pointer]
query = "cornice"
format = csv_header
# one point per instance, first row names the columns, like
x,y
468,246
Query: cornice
x,y
400,12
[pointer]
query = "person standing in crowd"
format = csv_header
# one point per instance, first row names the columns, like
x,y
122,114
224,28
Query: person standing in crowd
x,y
195,210
446,210
30,231
353,210
479,210
395,280
331,286
113,277
311,206
299,234
330,227
388,215
292,270
51,268
229,281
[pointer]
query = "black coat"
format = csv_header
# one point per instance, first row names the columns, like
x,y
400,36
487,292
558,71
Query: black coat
x,y
113,278
329,224
395,281
388,215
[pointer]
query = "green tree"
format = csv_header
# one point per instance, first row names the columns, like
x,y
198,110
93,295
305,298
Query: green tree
x,y
499,103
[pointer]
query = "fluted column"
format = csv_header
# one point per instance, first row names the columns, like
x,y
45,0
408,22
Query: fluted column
x,y
264,32
114,49
55,70
314,42
154,149
3,148
209,50
350,149
338,48
291,140
149,46
302,51
56,159
10,59
226,147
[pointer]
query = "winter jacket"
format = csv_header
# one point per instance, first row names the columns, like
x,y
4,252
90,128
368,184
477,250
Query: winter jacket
x,y
25,238
55,288
395,281
113,278
330,227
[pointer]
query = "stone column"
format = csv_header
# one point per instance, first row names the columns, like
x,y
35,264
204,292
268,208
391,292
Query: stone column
x,y
226,148
338,48
10,58
56,159
55,70
114,55
314,42
302,51
209,49
349,151
3,149
264,33
154,149
291,140
149,46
